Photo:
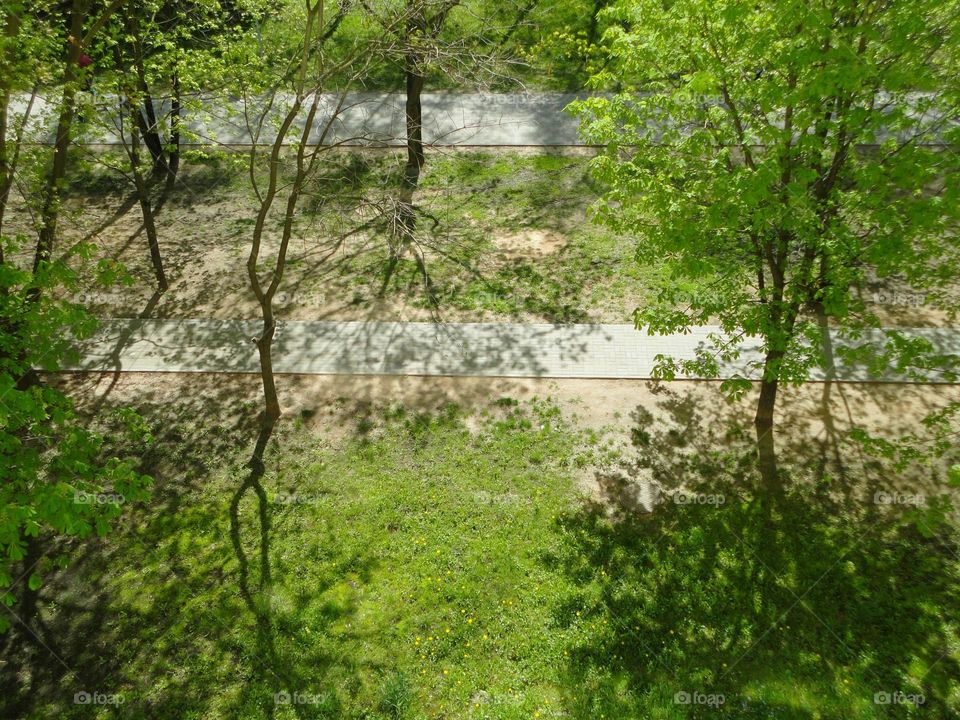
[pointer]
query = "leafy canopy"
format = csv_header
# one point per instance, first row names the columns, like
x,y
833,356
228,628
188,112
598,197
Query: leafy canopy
x,y
56,478
782,155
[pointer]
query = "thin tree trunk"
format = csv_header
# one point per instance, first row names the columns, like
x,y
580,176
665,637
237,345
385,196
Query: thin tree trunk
x,y
148,128
146,210
6,169
265,296
147,117
50,208
406,214
10,30
415,155
173,155
265,350
763,421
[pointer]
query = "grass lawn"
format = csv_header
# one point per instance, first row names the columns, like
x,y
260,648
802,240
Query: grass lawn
x,y
444,565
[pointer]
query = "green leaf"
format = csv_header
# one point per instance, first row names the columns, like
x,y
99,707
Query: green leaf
x,y
953,476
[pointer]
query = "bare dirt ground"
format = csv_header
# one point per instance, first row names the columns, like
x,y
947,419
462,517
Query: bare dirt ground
x,y
682,421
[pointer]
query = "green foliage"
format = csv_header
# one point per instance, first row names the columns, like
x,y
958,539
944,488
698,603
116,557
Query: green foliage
x,y
56,480
29,46
781,154
928,445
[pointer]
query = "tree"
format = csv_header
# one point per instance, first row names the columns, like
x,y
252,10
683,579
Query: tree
x,y
284,94
150,51
57,478
82,28
778,155
429,42
25,50
293,105
417,25
423,20
165,45
143,193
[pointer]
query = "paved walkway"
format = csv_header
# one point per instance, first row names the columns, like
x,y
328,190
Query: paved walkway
x,y
499,119
449,118
397,348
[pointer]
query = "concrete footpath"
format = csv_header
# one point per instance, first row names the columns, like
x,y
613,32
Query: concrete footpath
x,y
401,348
375,119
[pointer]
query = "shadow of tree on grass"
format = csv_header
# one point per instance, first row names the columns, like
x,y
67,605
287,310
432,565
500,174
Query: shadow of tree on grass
x,y
725,601
184,610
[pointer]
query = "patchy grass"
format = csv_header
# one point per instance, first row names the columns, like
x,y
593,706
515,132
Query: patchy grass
x,y
505,235
419,569
471,202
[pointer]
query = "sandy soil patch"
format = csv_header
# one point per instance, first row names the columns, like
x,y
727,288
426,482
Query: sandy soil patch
x,y
529,244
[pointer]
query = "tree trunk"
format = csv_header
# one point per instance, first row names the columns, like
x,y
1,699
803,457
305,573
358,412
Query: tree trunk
x,y
151,138
6,171
415,155
6,165
146,210
414,113
173,152
147,116
50,208
265,350
763,421
406,220
173,155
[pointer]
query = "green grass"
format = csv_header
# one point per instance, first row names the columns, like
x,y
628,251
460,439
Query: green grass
x,y
424,570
